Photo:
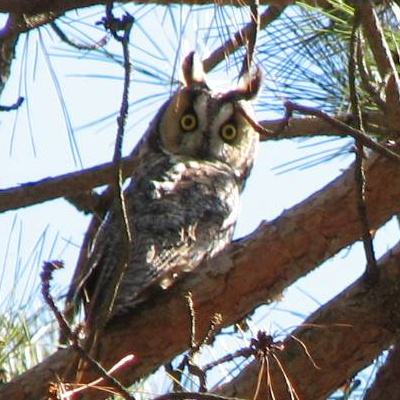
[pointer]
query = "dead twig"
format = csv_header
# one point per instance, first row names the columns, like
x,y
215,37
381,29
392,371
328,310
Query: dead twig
x,y
353,132
46,276
234,44
14,106
194,347
251,39
80,46
371,269
101,303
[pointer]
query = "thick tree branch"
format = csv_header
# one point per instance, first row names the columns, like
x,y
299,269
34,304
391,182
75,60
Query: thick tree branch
x,y
343,336
33,7
62,186
8,40
72,184
252,271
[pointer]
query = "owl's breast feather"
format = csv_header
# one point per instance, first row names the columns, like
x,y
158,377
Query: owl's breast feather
x,y
181,217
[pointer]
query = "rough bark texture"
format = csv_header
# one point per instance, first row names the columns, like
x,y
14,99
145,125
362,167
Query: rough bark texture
x,y
343,336
67,185
252,271
386,385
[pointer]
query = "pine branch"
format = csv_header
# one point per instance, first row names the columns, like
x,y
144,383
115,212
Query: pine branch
x,y
277,254
59,6
67,185
343,337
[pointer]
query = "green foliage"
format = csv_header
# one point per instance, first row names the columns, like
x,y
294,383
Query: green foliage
x,y
24,341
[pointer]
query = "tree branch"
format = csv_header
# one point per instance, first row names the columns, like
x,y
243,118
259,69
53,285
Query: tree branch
x,y
252,271
66,185
240,37
386,385
33,7
357,325
312,126
72,184
360,136
385,63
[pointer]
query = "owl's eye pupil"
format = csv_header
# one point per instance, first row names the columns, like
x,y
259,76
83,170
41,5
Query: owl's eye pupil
x,y
228,133
188,122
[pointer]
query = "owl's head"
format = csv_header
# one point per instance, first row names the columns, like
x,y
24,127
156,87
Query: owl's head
x,y
199,123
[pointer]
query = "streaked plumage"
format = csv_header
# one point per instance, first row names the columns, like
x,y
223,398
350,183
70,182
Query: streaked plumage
x,y
183,199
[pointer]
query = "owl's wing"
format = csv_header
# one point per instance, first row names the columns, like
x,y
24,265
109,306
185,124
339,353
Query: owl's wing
x,y
183,223
179,218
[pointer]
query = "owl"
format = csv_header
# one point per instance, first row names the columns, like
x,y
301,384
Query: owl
x,y
182,202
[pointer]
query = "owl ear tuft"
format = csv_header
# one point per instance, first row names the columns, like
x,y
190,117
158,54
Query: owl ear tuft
x,y
250,85
192,70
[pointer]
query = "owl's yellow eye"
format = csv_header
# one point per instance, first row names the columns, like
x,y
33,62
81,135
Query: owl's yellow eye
x,y
228,133
188,122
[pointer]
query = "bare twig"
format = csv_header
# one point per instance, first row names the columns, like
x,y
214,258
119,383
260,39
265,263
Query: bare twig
x,y
355,133
14,106
366,77
371,269
80,46
102,301
232,45
376,38
67,395
46,277
194,347
251,39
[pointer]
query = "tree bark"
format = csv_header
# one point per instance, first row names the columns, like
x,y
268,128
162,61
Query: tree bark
x,y
252,271
33,7
342,337
386,385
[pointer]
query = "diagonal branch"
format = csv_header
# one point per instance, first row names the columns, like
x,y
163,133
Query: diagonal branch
x,y
386,384
343,337
240,37
277,254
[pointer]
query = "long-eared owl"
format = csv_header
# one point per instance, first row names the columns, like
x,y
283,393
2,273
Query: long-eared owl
x,y
183,199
